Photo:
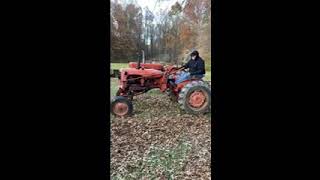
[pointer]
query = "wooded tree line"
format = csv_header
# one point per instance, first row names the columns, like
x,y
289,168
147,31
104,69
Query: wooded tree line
x,y
185,26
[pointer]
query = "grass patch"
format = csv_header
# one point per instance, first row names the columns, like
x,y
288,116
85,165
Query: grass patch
x,y
207,76
169,161
119,65
114,86
208,67
160,162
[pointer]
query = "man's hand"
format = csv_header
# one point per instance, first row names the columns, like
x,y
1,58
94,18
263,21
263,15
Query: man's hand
x,y
182,68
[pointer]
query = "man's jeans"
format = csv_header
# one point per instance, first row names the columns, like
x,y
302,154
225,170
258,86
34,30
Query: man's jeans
x,y
199,76
185,76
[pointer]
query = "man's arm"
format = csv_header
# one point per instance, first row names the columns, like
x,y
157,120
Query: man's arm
x,y
186,65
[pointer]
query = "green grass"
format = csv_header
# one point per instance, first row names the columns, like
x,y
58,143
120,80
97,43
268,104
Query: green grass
x,y
114,86
168,160
208,67
119,65
207,77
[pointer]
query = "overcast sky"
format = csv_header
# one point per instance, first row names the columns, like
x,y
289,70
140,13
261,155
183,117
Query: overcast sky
x,y
153,5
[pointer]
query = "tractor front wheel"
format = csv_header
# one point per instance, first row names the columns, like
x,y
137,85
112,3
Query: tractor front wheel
x,y
121,106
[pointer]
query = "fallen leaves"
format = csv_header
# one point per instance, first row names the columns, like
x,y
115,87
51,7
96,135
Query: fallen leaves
x,y
160,142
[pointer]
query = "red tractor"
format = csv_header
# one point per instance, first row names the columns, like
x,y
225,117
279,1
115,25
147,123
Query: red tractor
x,y
193,95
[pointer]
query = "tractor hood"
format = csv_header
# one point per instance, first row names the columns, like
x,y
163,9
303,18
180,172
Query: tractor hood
x,y
142,72
147,65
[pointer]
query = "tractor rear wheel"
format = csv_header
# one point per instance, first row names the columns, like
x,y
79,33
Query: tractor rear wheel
x,y
195,97
121,106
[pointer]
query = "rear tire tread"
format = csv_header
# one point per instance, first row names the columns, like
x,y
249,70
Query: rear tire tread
x,y
182,98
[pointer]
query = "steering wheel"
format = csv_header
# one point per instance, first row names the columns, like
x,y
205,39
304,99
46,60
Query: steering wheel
x,y
176,70
182,69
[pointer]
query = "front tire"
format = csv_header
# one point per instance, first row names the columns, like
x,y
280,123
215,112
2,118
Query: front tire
x,y
121,107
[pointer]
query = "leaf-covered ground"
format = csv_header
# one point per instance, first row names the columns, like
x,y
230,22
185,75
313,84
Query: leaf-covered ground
x,y
160,142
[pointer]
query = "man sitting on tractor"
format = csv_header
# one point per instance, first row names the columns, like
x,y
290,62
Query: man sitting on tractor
x,y
184,87
196,68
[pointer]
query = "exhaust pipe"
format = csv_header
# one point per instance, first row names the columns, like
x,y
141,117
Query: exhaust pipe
x,y
138,65
143,58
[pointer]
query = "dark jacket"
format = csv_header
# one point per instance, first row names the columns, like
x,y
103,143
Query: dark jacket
x,y
196,67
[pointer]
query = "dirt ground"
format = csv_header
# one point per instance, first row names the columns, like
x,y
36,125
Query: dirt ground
x,y
160,142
